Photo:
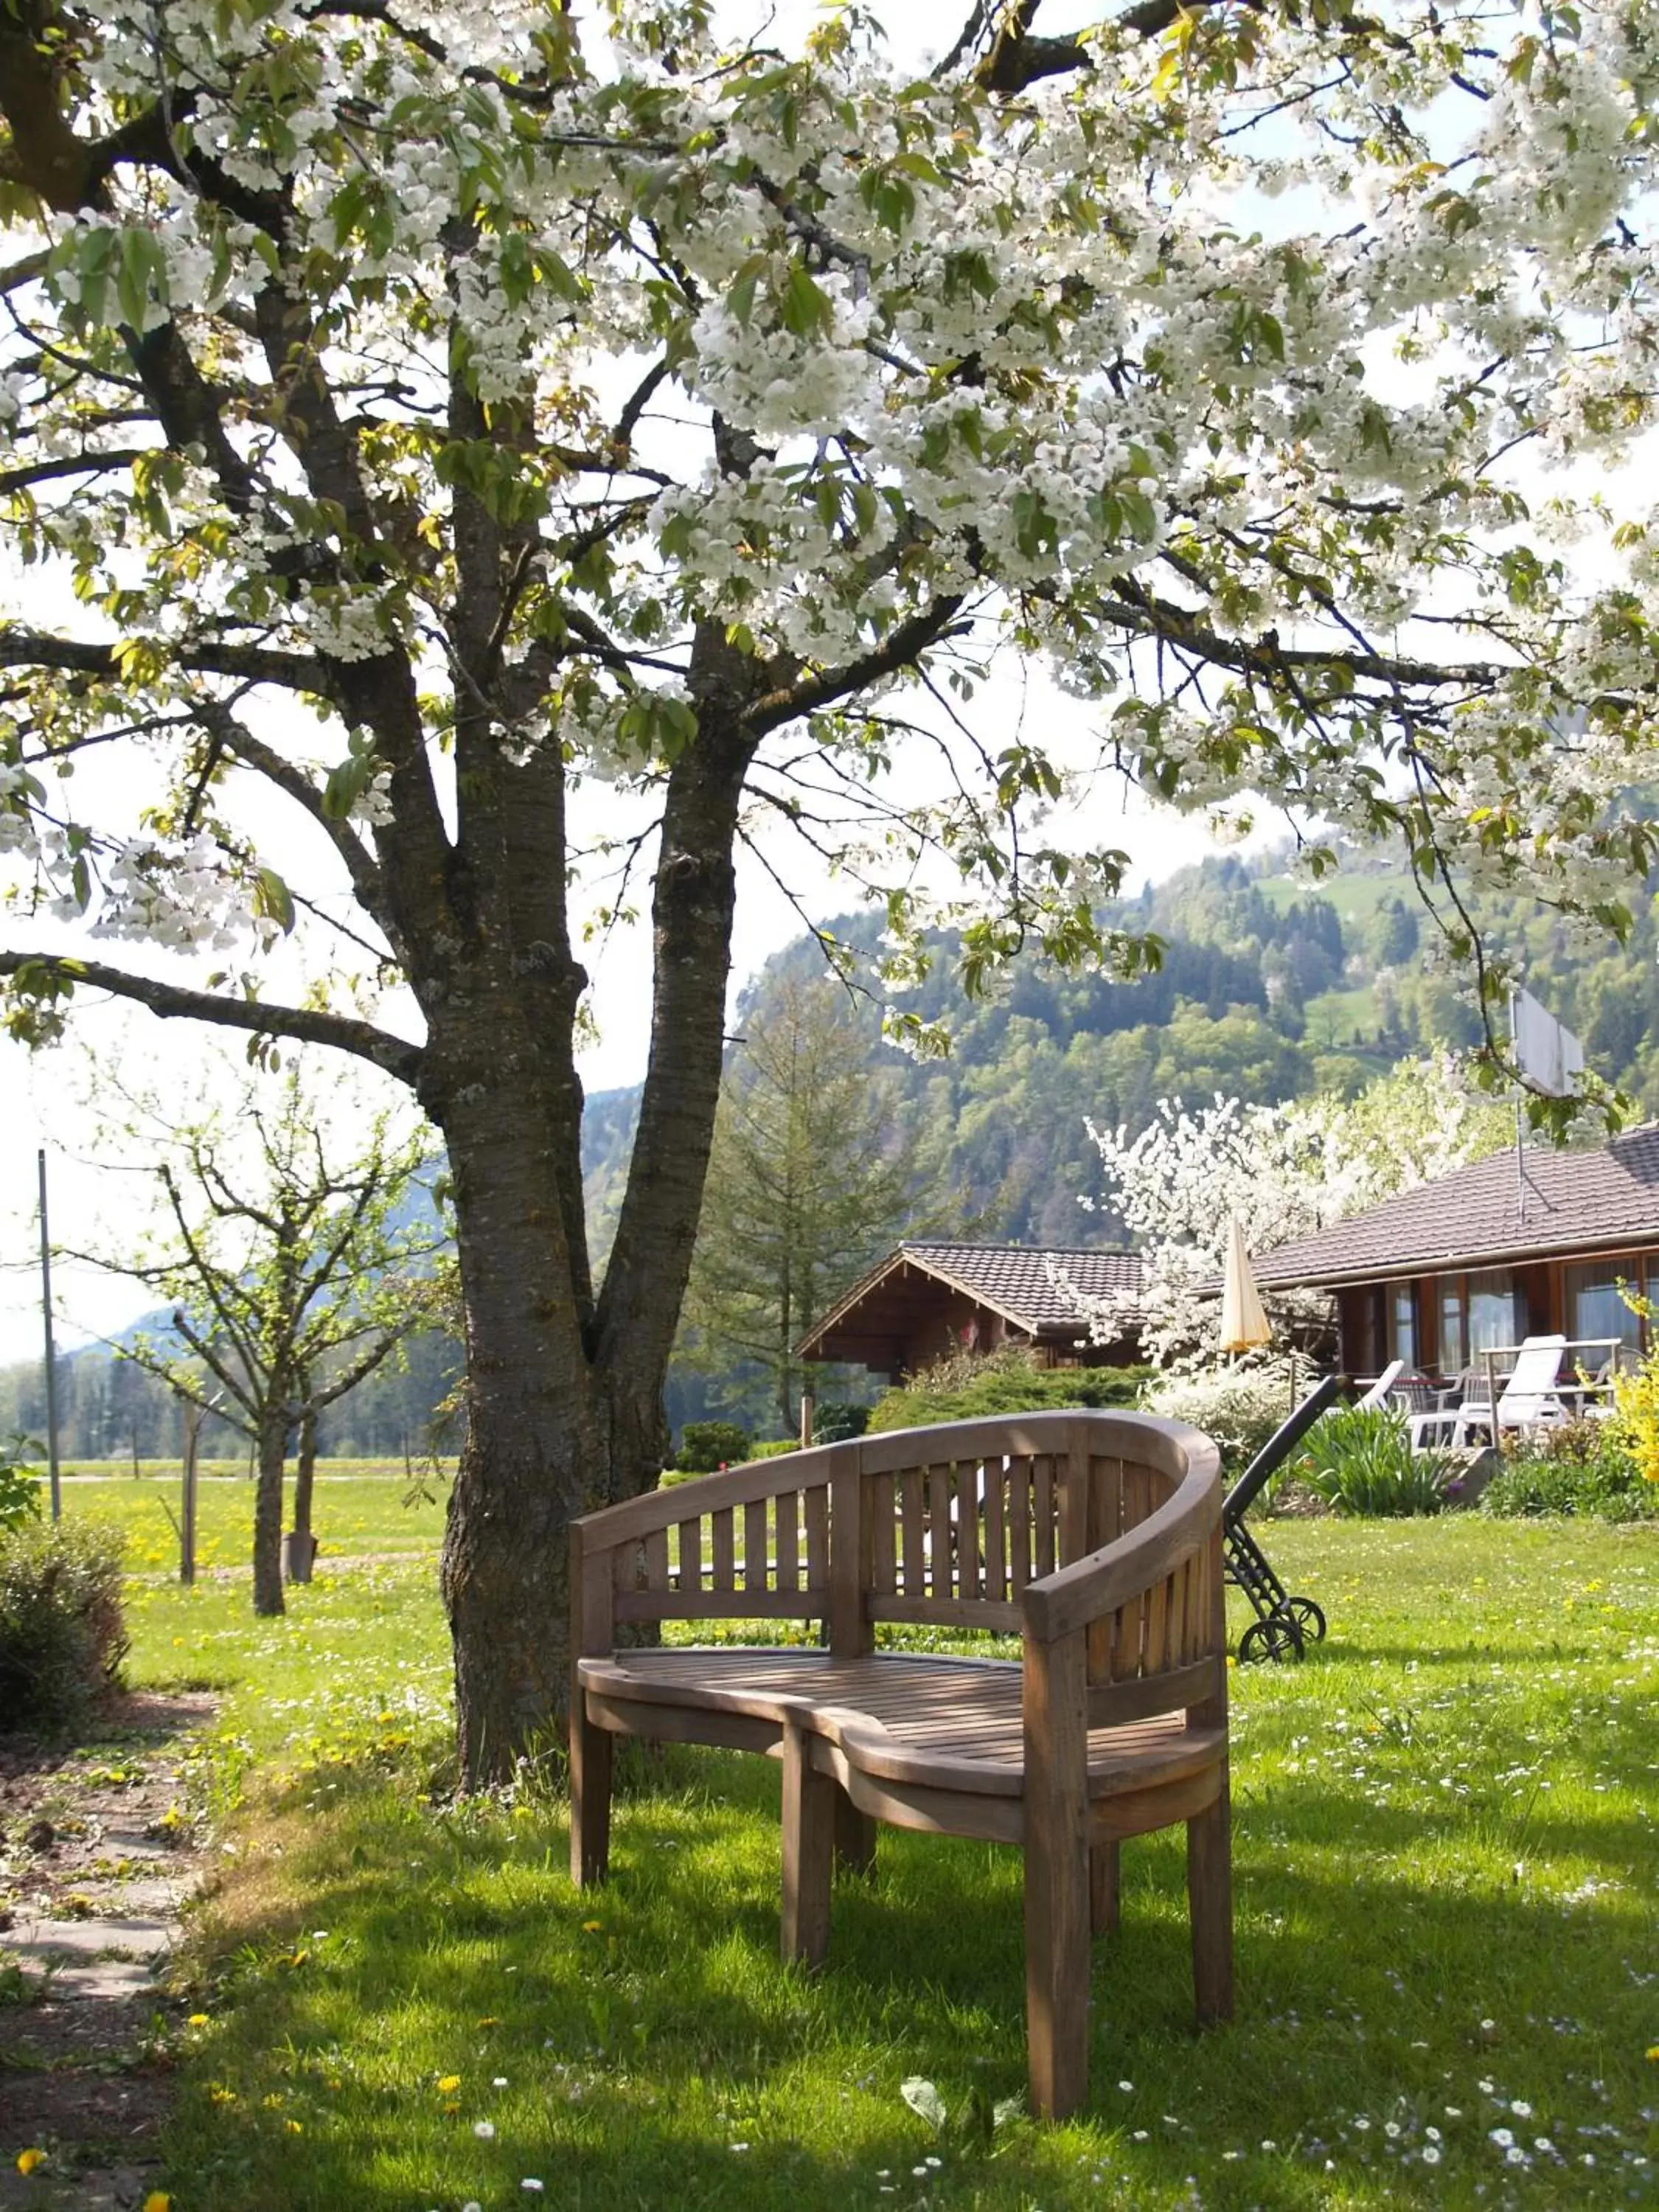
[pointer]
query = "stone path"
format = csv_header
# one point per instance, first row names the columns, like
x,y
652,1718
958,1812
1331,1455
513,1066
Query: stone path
x,y
97,1859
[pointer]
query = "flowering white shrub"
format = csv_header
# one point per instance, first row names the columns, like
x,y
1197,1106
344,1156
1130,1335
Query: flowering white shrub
x,y
1237,1408
1284,1171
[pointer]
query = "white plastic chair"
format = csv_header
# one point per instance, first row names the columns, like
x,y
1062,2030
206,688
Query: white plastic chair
x,y
1378,1394
1530,1395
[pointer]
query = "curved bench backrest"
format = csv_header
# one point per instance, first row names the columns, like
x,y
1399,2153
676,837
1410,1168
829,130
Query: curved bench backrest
x,y
944,1526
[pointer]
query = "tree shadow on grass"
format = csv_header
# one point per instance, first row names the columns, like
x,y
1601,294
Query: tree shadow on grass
x,y
646,2028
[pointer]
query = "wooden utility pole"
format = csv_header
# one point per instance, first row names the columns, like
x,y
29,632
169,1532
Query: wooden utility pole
x,y
51,1352
187,1502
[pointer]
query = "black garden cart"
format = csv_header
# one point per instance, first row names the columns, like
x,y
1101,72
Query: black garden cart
x,y
1283,1624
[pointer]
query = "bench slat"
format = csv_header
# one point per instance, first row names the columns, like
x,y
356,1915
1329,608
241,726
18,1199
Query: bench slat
x,y
996,1540
788,1541
914,1532
723,1571
656,1559
1019,1524
968,1483
998,1620
884,1534
690,1555
721,1605
816,1503
939,1514
1042,1515
1111,1704
754,1545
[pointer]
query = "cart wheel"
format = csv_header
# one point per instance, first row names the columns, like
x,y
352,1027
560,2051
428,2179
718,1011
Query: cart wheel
x,y
1275,1638
1308,1618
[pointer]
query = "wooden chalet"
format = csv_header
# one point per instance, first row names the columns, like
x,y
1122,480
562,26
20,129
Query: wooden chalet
x,y
1516,1245
926,1299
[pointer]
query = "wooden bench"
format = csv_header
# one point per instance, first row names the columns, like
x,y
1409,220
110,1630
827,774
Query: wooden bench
x,y
1094,1537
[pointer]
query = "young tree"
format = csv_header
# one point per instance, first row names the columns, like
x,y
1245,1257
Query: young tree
x,y
529,414
811,1176
293,1275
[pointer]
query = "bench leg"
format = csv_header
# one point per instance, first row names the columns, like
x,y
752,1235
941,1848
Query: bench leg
x,y
809,1840
590,1801
856,1836
1210,1896
1103,1910
1057,1882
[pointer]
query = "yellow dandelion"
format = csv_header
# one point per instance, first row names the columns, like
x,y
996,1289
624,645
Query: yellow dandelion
x,y
1653,2051
158,2201
295,2127
197,2020
28,2159
592,1927
448,2084
489,2021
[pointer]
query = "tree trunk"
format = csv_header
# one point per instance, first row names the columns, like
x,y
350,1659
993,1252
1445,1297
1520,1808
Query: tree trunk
x,y
534,1453
272,1446
305,1473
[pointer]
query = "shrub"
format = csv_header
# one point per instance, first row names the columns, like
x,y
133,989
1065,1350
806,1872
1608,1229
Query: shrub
x,y
837,1419
62,1634
20,1489
705,1445
1359,1459
967,1386
1238,1408
1582,1469
1637,1399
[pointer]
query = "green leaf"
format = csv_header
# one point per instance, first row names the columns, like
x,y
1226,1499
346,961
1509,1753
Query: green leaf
x,y
272,900
741,297
805,308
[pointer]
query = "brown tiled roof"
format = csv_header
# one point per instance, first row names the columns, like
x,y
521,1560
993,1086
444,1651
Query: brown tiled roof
x,y
1014,1280
1591,1201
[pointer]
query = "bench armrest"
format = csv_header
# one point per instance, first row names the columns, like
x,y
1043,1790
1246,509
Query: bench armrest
x,y
1059,1604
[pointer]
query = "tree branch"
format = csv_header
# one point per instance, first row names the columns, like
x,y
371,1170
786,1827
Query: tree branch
x,y
904,644
305,1024
70,465
246,664
253,752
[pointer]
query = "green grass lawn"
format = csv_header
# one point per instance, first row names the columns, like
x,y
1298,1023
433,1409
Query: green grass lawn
x,y
357,1507
1448,1926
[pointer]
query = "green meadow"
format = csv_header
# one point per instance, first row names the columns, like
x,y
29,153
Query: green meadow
x,y
1447,1871
359,1508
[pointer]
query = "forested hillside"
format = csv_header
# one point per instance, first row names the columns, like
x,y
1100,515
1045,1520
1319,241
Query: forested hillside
x,y
1270,988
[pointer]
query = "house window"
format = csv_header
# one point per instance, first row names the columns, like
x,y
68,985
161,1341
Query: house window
x,y
1454,1337
1595,1309
1402,1323
1492,1315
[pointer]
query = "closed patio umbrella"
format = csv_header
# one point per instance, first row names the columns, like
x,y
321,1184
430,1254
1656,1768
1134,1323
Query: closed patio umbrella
x,y
1243,1322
